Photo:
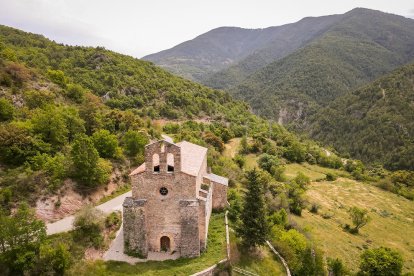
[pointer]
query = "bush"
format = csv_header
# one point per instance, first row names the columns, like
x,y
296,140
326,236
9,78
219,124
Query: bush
x,y
134,142
88,224
214,141
381,261
106,143
57,77
240,160
331,177
295,152
359,218
113,220
6,110
268,162
53,260
76,93
336,267
314,208
38,98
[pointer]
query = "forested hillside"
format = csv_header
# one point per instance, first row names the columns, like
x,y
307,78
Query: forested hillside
x,y
286,39
374,123
244,50
365,44
83,113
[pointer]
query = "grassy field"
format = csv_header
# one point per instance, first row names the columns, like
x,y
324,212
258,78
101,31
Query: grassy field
x,y
392,222
265,263
216,251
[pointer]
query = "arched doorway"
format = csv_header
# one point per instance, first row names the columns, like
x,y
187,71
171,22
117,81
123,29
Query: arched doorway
x,y
165,243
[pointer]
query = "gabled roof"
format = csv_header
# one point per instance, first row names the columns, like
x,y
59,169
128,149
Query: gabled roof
x,y
192,157
217,178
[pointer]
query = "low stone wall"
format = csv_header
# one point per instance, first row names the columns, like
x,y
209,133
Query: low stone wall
x,y
211,270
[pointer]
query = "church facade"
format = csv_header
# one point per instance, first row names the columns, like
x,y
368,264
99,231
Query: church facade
x,y
173,194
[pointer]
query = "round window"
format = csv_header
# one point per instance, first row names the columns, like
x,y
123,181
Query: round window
x,y
163,191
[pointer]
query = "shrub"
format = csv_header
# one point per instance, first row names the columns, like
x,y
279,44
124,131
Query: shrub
x,y
134,142
240,160
336,267
38,98
76,92
381,261
6,110
88,225
113,220
314,208
57,77
295,152
331,177
359,218
106,143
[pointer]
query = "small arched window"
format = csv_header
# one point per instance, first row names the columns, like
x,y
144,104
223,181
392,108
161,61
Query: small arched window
x,y
170,162
156,163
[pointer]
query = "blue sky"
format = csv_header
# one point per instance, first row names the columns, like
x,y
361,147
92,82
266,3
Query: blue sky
x,y
138,28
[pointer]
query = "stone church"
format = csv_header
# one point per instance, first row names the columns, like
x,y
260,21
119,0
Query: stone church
x,y
173,193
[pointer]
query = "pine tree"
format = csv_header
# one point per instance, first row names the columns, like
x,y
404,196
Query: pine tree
x,y
254,228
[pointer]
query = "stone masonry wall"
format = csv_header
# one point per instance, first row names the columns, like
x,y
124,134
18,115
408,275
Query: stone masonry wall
x,y
163,211
134,220
219,196
190,239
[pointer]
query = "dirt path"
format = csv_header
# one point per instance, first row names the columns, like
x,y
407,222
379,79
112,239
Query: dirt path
x,y
66,224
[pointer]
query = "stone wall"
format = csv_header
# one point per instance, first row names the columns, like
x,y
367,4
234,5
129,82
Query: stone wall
x,y
134,223
190,238
219,196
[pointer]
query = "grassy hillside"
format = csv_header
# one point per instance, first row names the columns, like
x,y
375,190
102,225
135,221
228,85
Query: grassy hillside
x,y
363,45
377,118
392,215
392,218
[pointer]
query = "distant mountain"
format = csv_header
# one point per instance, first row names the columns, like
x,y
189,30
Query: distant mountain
x,y
363,45
374,123
200,58
288,72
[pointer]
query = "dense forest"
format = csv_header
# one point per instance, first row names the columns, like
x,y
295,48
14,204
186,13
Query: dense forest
x,y
378,118
362,46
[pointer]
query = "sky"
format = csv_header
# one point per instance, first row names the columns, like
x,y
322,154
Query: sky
x,y
141,27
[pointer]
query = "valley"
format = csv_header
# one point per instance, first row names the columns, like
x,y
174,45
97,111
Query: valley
x,y
305,130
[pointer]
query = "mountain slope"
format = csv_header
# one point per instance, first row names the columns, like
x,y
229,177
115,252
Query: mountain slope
x,y
121,81
286,40
374,123
200,58
362,46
